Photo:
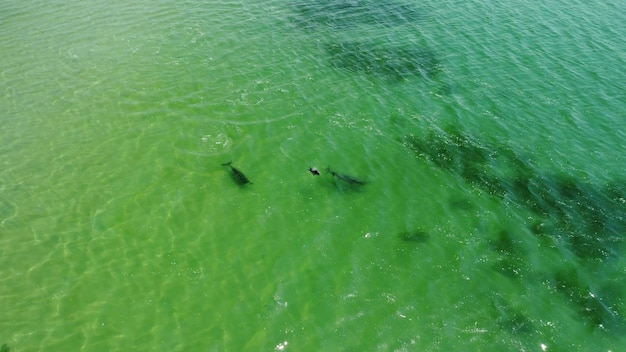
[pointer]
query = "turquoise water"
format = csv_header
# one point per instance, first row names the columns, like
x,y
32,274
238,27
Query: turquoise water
x,y
489,134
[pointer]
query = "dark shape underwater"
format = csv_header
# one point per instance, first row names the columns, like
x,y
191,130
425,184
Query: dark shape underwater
x,y
416,236
351,180
344,14
392,63
589,220
582,220
238,176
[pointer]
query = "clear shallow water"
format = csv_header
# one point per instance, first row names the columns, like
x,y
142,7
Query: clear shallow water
x,y
489,135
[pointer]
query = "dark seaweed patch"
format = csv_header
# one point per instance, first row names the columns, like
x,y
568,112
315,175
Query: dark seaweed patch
x,y
511,263
589,246
594,307
516,323
511,319
506,243
342,14
390,63
458,153
545,232
461,204
590,220
417,236
511,266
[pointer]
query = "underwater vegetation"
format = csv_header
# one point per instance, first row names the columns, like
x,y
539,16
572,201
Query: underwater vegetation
x,y
459,154
392,63
5,348
509,318
511,262
417,236
342,14
589,220
599,308
577,217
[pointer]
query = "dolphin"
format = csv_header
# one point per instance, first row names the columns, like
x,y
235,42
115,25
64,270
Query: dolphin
x,y
239,177
346,178
313,170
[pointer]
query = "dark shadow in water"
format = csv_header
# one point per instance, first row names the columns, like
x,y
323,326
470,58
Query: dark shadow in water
x,y
393,63
5,348
597,307
511,262
511,266
511,319
461,204
590,221
345,14
587,220
506,243
416,236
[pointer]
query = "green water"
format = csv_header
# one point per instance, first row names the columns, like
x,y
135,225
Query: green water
x,y
490,136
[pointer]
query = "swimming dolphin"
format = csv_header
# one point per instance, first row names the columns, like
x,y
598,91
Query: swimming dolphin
x,y
239,177
314,171
346,178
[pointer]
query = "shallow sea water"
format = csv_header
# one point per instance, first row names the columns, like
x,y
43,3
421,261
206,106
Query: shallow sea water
x,y
489,136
